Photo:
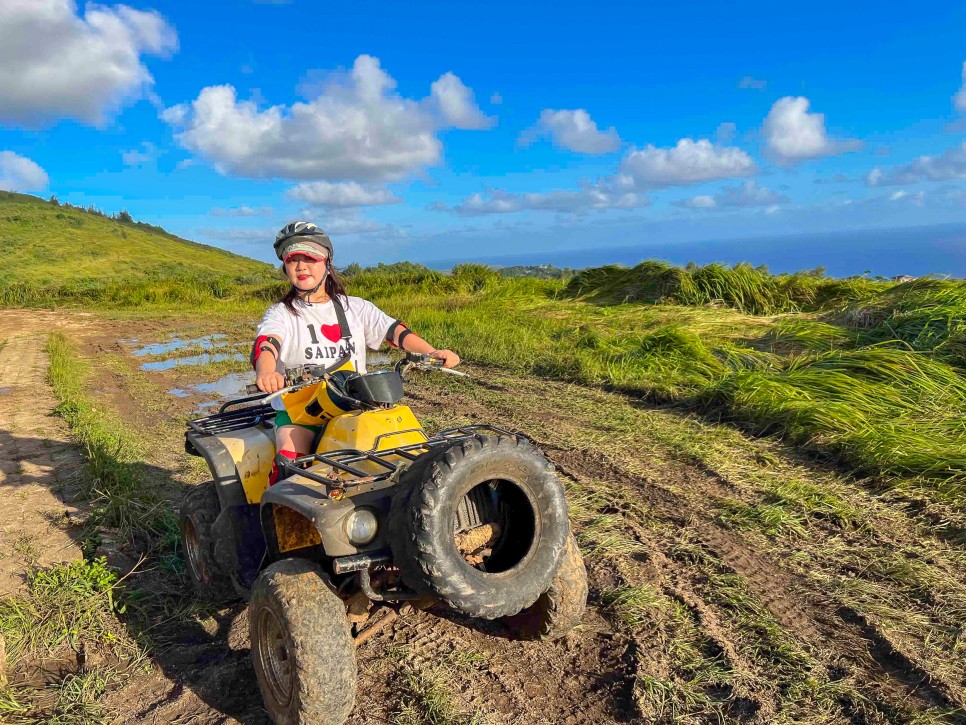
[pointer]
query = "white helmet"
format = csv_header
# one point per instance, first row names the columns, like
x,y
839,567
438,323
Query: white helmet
x,y
291,233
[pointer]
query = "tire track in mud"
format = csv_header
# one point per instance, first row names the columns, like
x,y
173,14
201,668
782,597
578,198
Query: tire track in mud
x,y
810,614
588,677
825,625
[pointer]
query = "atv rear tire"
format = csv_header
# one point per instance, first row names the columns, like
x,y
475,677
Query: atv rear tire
x,y
199,509
529,535
559,609
302,649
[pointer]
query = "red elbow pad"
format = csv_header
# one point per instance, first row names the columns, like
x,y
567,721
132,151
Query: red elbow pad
x,y
265,343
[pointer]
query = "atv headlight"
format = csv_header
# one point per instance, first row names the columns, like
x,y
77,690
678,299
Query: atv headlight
x,y
361,526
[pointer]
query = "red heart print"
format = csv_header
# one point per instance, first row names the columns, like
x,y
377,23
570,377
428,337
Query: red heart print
x,y
332,332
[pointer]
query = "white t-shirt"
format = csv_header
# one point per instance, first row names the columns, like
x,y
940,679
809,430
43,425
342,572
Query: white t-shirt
x,y
313,338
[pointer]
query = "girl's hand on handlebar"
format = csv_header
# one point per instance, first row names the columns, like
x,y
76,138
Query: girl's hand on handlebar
x,y
450,359
270,382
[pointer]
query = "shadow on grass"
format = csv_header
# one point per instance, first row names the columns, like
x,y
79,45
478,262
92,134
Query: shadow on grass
x,y
195,647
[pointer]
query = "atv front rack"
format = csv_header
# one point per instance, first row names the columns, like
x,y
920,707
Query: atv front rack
x,y
343,460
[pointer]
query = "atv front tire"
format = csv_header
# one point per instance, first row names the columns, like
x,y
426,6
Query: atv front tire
x,y
559,609
302,649
530,528
199,509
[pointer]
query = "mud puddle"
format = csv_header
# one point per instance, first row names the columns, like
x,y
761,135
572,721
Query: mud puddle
x,y
175,344
203,359
224,388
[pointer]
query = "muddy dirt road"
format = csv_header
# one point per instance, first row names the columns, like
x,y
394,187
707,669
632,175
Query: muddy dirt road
x,y
37,460
850,609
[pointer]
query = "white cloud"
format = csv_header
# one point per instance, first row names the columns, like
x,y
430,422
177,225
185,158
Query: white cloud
x,y
574,130
238,235
145,155
55,63
752,83
348,221
959,100
242,211
688,162
456,105
352,225
18,173
950,164
581,201
725,133
903,195
698,202
748,194
344,194
357,128
792,134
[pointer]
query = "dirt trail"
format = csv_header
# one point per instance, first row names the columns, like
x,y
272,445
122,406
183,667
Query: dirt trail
x,y
202,671
37,461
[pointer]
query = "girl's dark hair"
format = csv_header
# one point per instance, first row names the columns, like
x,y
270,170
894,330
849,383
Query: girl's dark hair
x,y
334,285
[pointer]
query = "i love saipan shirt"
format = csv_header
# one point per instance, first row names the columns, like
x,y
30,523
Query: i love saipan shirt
x,y
314,338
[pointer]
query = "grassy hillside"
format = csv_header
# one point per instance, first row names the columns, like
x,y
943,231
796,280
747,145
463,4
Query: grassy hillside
x,y
58,252
872,374
868,372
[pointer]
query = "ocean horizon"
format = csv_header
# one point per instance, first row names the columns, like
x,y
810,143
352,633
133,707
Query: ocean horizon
x,y
917,251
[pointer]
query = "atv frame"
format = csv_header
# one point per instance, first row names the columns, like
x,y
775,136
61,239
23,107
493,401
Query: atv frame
x,y
317,590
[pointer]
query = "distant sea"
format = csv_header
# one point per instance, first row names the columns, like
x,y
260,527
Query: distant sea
x,y
916,251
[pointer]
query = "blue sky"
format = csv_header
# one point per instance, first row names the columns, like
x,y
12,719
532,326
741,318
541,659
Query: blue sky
x,y
447,130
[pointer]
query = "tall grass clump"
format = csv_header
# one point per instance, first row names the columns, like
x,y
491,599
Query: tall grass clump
x,y
115,482
741,286
881,410
925,314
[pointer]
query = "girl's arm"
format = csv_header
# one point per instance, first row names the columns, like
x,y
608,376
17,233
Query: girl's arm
x,y
264,360
406,339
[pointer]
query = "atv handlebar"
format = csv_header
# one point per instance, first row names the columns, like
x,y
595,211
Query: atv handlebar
x,y
306,374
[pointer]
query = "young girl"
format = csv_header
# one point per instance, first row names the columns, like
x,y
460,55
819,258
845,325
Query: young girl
x,y
317,323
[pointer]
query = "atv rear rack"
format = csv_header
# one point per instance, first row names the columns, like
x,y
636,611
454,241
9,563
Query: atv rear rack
x,y
342,460
226,420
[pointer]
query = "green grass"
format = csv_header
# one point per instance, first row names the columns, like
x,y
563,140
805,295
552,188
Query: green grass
x,y
115,482
880,408
65,606
742,286
429,697
869,373
79,606
72,700
59,252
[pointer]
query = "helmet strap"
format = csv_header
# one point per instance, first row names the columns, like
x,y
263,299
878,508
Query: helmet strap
x,y
306,294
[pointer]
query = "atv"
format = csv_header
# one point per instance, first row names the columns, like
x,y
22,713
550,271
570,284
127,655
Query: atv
x,y
380,520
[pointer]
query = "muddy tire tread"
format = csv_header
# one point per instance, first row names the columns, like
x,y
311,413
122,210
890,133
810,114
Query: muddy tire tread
x,y
423,564
201,505
559,609
320,640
